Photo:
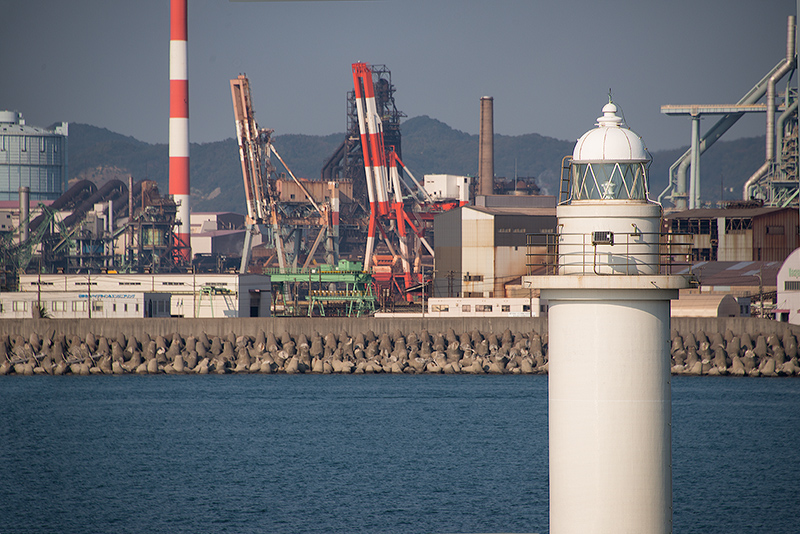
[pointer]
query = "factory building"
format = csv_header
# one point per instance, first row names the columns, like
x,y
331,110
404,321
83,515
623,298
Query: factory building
x,y
218,243
217,235
737,234
191,295
6,221
82,305
485,307
447,186
482,249
787,307
209,221
31,157
752,284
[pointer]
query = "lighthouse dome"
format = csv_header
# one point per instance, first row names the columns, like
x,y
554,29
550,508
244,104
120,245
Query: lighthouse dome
x,y
610,141
609,162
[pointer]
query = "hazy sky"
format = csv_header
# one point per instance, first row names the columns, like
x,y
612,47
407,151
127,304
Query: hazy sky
x,y
548,64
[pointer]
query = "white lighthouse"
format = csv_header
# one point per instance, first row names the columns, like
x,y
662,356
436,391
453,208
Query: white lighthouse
x,y
609,326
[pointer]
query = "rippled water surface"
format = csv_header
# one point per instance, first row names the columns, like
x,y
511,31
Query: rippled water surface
x,y
359,454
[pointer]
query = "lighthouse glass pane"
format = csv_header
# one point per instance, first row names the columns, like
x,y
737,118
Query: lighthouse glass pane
x,y
608,181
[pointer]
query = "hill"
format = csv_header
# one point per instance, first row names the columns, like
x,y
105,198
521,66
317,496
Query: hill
x,y
429,146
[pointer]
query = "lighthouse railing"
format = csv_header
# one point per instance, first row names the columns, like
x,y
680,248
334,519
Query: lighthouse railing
x,y
606,253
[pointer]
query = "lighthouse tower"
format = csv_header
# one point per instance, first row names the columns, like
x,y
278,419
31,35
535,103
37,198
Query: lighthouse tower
x,y
609,326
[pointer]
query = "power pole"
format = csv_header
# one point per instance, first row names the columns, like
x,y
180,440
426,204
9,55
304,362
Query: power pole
x,y
422,268
39,289
450,275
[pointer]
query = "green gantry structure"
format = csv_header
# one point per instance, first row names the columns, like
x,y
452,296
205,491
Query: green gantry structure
x,y
325,286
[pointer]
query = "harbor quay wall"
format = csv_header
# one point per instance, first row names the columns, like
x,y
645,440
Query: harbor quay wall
x,y
738,325
250,326
411,345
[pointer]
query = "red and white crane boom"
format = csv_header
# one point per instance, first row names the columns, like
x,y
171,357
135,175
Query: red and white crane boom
x,y
385,216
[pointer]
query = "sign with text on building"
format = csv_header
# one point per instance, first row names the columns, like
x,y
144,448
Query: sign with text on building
x,y
107,295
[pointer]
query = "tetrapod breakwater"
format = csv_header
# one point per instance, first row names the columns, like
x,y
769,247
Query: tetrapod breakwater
x,y
736,346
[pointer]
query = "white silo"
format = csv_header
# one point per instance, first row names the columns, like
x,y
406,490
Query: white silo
x,y
609,326
31,157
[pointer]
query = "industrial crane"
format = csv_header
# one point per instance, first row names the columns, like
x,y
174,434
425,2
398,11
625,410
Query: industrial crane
x,y
260,187
385,217
254,155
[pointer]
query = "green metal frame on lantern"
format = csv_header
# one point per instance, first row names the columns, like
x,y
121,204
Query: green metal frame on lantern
x,y
608,181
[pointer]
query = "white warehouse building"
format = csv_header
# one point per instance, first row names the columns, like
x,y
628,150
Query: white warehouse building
x,y
82,304
481,251
486,307
447,186
191,295
787,307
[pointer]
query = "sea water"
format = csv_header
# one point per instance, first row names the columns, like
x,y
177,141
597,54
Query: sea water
x,y
359,454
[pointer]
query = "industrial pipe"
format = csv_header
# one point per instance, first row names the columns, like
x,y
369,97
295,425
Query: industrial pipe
x,y
110,190
125,205
680,195
694,184
770,144
788,112
24,212
787,65
333,162
772,151
129,243
110,225
75,194
755,177
724,124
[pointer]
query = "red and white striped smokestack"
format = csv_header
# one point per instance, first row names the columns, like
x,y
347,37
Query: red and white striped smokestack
x,y
179,119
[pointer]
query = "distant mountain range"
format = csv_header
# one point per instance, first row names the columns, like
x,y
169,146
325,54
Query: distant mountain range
x,y
428,146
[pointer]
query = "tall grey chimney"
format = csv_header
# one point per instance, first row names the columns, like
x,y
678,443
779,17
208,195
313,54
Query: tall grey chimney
x,y
486,147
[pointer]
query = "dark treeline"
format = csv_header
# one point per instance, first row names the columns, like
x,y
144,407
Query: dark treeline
x,y
429,146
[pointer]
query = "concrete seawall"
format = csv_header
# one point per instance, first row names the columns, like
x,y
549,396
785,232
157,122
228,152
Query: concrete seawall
x,y
699,346
250,326
737,325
